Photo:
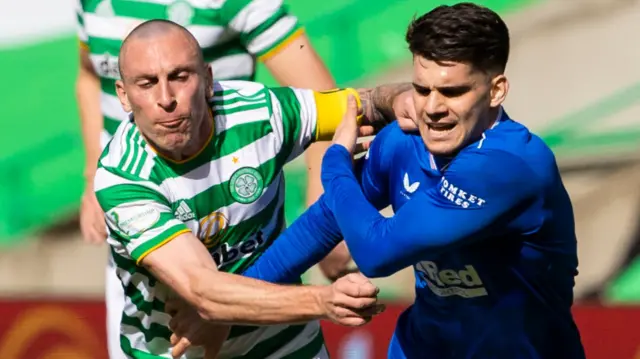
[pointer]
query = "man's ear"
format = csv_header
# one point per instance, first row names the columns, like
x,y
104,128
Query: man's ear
x,y
122,96
208,82
499,90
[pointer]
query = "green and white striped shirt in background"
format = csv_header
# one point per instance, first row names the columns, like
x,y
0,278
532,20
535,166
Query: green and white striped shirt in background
x,y
230,195
232,34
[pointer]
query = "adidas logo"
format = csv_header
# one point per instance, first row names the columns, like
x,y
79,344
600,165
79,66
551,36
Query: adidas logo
x,y
184,213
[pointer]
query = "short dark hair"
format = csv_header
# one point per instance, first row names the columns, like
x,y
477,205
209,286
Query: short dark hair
x,y
465,33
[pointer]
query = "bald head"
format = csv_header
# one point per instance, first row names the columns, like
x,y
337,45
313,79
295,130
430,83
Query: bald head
x,y
153,31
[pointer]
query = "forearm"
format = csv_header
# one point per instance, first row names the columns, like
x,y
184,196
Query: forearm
x,y
88,97
377,102
429,223
299,65
233,299
313,160
380,246
309,239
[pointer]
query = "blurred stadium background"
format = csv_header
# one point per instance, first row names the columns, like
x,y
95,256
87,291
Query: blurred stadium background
x,y
575,80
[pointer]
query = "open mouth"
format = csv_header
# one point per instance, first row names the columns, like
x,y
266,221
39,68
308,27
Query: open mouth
x,y
441,127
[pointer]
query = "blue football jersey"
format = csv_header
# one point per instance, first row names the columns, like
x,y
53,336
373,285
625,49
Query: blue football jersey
x,y
490,235
495,276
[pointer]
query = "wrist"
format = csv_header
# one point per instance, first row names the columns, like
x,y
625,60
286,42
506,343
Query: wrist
x,y
89,173
383,98
88,183
318,295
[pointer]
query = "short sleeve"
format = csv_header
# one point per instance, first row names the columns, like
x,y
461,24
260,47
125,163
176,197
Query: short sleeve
x,y
264,26
83,38
137,213
300,117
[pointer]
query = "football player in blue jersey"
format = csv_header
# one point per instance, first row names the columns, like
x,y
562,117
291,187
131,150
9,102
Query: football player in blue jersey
x,y
481,212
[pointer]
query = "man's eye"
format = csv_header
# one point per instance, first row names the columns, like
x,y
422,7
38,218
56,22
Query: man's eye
x,y
454,92
423,91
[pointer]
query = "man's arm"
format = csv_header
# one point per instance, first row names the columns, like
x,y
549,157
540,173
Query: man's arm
x,y
88,98
293,61
310,238
302,116
140,218
275,37
297,64
187,267
315,232
378,102
479,194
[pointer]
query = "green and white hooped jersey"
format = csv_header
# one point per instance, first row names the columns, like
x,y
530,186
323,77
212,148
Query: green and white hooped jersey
x,y
232,34
230,195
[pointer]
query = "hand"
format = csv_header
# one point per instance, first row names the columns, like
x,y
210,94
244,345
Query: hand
x,y
351,300
92,223
337,263
347,132
405,111
189,329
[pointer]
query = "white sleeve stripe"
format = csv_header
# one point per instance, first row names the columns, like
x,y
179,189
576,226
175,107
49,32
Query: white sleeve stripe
x,y
308,120
144,203
81,31
254,14
131,145
105,179
276,119
151,234
272,35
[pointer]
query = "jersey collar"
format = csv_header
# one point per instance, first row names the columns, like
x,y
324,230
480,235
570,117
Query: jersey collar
x,y
439,163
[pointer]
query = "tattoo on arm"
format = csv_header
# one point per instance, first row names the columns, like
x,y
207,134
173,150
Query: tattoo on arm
x,y
377,102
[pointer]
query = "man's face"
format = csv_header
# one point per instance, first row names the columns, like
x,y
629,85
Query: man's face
x,y
453,103
165,86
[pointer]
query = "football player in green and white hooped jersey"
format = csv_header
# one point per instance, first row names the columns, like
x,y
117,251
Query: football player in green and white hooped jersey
x,y
195,175
233,35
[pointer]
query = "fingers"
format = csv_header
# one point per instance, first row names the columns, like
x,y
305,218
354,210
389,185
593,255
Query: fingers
x,y
356,285
91,234
99,235
350,317
173,305
366,130
346,134
92,224
352,303
363,147
352,108
179,323
180,348
372,310
357,278
213,347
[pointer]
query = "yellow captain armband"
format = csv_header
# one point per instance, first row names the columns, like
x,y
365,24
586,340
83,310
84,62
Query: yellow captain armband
x,y
330,108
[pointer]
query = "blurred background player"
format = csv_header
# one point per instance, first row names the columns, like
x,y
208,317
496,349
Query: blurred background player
x,y
233,34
